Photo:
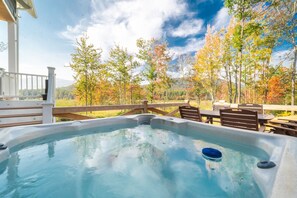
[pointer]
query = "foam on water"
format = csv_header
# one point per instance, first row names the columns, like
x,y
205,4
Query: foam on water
x,y
133,162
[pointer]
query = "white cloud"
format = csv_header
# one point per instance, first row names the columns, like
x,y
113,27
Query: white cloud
x,y
193,45
72,32
222,18
124,21
188,28
283,57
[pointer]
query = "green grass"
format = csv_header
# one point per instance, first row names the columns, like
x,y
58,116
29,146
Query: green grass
x,y
96,114
66,103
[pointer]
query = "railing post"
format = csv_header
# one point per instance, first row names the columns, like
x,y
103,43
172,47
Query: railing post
x,y
144,102
51,85
13,57
2,71
47,107
47,113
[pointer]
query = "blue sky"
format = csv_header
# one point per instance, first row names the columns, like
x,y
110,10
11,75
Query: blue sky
x,y
49,39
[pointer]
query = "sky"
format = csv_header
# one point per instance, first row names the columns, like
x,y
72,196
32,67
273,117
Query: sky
x,y
49,40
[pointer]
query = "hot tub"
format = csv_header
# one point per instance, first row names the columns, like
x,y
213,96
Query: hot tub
x,y
144,156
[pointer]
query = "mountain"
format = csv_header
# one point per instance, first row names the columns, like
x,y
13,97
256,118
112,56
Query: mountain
x,y
63,82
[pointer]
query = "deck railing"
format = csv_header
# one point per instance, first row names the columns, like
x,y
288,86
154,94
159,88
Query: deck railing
x,y
71,112
21,85
19,94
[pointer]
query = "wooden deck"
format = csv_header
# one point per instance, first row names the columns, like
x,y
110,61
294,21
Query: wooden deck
x,y
19,113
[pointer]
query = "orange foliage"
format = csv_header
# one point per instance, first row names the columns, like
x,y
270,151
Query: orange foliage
x,y
276,90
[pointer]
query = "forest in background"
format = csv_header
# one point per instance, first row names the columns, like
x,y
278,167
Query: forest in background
x,y
233,65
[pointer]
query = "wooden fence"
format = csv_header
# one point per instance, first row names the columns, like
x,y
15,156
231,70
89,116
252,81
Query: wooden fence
x,y
15,113
70,112
280,107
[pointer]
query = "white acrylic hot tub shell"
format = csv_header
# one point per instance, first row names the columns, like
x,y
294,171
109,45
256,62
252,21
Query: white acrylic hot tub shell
x,y
280,181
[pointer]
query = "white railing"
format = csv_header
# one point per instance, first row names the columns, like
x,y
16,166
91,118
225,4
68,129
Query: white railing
x,y
18,98
21,85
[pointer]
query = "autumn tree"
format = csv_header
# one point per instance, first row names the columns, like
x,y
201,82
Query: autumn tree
x,y
276,90
197,87
155,57
242,10
86,64
161,59
260,43
121,66
281,16
184,67
207,66
145,54
228,57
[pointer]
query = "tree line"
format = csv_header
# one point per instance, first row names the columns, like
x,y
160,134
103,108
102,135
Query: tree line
x,y
123,77
235,63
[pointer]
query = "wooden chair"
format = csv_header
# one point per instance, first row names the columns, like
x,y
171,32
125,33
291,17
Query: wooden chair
x,y
240,118
252,107
217,107
191,113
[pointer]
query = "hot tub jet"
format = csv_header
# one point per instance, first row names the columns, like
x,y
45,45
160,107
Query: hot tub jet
x,y
2,147
265,164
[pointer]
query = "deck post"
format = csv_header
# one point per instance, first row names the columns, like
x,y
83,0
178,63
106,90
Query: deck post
x,y
48,105
2,81
145,106
51,85
47,113
13,56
